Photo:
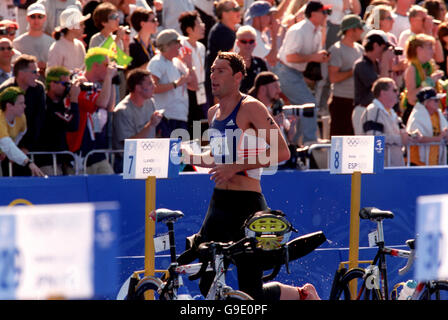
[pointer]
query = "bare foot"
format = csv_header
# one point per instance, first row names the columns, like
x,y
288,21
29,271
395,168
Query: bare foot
x,y
308,292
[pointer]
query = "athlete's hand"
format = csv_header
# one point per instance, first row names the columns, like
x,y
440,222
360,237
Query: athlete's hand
x,y
222,173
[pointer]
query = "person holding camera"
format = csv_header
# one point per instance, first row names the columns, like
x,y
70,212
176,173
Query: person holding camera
x,y
375,63
343,54
96,98
62,116
303,44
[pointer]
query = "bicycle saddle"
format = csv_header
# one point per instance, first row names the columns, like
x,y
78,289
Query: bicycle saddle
x,y
373,213
165,215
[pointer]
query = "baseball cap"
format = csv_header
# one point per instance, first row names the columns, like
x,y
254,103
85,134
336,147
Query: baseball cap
x,y
428,93
72,17
167,36
9,23
350,21
36,8
258,9
377,36
316,6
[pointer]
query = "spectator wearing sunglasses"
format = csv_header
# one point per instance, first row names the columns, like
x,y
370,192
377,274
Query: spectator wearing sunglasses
x,y
8,29
106,19
25,76
54,8
35,41
246,42
141,48
62,115
6,54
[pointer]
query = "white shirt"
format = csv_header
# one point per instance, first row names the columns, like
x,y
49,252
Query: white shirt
x,y
337,10
262,47
197,57
175,101
404,36
302,38
172,9
67,54
401,23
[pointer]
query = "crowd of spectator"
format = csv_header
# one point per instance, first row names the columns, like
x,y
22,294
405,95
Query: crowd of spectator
x,y
374,67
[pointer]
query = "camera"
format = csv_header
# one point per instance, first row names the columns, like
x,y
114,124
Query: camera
x,y
303,110
398,51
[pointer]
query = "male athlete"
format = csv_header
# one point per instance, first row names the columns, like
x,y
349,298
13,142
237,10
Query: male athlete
x,y
244,138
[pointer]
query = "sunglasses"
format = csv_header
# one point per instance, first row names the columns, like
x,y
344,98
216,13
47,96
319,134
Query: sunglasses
x,y
5,48
64,83
251,41
8,31
153,20
37,16
234,9
113,16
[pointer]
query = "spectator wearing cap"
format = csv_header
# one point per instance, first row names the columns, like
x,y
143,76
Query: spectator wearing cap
x,y
375,63
427,124
172,76
35,42
343,54
68,51
380,119
302,44
21,13
54,8
8,29
260,17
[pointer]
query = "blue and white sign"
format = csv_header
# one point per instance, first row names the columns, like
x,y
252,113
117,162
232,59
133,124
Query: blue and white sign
x,y
432,237
151,157
357,153
65,251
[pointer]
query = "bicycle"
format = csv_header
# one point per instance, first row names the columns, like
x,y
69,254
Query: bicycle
x,y
373,282
217,256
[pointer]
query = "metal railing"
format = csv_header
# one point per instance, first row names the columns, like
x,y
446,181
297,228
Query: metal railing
x,y
54,155
408,152
107,152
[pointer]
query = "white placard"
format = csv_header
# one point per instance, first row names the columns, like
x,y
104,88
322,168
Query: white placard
x,y
151,157
432,238
364,154
161,243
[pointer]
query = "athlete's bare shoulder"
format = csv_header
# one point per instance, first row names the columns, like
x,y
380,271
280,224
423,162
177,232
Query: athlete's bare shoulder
x,y
211,112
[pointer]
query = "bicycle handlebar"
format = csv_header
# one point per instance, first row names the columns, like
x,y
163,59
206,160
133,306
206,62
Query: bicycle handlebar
x,y
411,258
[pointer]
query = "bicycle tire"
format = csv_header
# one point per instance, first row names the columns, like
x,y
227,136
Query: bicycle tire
x,y
148,283
236,295
438,287
342,288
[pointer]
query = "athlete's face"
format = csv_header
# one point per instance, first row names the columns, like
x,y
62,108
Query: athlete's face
x,y
222,78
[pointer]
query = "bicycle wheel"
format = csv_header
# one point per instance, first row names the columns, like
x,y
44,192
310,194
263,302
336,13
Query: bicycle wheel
x,y
341,290
147,284
437,291
236,295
